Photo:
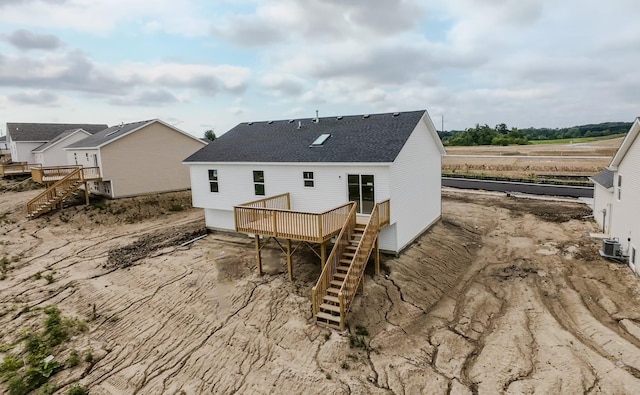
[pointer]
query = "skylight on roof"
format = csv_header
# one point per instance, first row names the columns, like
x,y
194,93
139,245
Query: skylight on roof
x,y
320,140
110,133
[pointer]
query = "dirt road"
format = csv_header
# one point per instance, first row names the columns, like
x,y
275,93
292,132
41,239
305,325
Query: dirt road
x,y
502,296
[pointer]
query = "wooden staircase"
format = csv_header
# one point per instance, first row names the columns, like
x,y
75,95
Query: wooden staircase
x,y
56,194
343,273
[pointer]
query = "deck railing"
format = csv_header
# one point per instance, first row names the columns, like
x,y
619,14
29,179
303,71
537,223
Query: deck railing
x,y
361,256
272,217
55,192
56,173
17,168
384,212
333,261
5,159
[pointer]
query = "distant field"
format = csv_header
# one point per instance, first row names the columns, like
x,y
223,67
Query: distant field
x,y
577,140
524,161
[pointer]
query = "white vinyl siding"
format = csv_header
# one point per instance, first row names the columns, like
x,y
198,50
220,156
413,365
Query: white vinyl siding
x,y
55,154
602,207
416,185
625,224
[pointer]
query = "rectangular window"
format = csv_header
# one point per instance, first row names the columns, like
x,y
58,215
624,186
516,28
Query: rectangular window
x,y
213,180
258,182
619,186
307,176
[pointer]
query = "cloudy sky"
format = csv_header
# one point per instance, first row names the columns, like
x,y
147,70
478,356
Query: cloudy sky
x,y
211,64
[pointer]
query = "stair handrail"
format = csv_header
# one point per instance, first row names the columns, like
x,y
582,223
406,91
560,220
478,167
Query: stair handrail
x,y
342,240
358,263
51,192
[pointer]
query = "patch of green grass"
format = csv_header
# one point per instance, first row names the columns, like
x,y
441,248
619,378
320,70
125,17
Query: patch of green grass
x,y
78,389
74,359
344,365
577,139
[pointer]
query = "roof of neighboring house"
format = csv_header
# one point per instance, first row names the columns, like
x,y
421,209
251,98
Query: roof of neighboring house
x,y
43,132
3,138
604,178
59,138
626,144
371,138
114,133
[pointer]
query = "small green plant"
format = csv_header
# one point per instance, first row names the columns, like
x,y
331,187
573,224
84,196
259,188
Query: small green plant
x,y
74,359
327,336
176,207
328,376
361,331
49,278
344,365
37,276
88,356
78,389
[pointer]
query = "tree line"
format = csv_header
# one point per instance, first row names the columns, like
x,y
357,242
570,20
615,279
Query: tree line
x,y
501,134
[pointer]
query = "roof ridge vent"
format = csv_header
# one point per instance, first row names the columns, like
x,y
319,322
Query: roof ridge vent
x,y
366,116
299,124
339,117
270,122
395,114
249,123
291,121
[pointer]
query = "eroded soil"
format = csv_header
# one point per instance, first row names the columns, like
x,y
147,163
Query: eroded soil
x,y
503,295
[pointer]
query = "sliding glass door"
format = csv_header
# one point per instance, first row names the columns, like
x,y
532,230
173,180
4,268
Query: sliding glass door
x,y
361,190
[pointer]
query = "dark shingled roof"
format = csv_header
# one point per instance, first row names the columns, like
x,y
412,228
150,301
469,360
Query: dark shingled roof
x,y
105,136
604,178
59,137
3,138
356,138
46,131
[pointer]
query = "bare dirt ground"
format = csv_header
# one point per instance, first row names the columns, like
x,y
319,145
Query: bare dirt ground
x,y
512,164
503,295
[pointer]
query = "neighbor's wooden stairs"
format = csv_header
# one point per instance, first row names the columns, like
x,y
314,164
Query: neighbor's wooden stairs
x,y
55,194
343,273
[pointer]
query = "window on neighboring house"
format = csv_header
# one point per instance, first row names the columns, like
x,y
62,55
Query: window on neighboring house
x,y
307,176
258,182
619,187
213,180
75,157
87,154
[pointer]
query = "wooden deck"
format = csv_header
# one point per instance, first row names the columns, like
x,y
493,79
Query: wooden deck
x,y
15,169
288,224
46,175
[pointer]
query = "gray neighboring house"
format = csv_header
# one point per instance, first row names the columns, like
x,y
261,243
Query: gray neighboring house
x,y
136,158
23,138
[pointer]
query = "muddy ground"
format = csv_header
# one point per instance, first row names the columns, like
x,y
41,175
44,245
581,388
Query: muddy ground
x,y
503,295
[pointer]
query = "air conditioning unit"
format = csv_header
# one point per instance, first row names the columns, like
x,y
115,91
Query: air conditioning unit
x,y
610,248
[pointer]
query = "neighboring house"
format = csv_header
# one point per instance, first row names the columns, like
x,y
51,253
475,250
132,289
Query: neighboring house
x,y
136,158
323,163
617,191
603,199
23,138
53,153
4,145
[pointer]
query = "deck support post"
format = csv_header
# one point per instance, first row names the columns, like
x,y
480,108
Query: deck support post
x,y
377,256
289,260
361,285
323,253
86,193
258,255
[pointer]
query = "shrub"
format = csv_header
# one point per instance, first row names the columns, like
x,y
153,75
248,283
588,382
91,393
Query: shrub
x,y
78,389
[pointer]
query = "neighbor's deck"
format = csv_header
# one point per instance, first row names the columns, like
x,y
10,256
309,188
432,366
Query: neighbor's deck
x,y
15,169
45,175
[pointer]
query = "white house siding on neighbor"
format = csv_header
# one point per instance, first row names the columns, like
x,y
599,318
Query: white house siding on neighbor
x,y
417,165
236,186
90,158
55,154
602,207
21,151
625,223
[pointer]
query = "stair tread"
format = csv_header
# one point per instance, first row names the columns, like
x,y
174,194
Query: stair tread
x,y
333,290
340,275
328,317
337,283
330,298
330,307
